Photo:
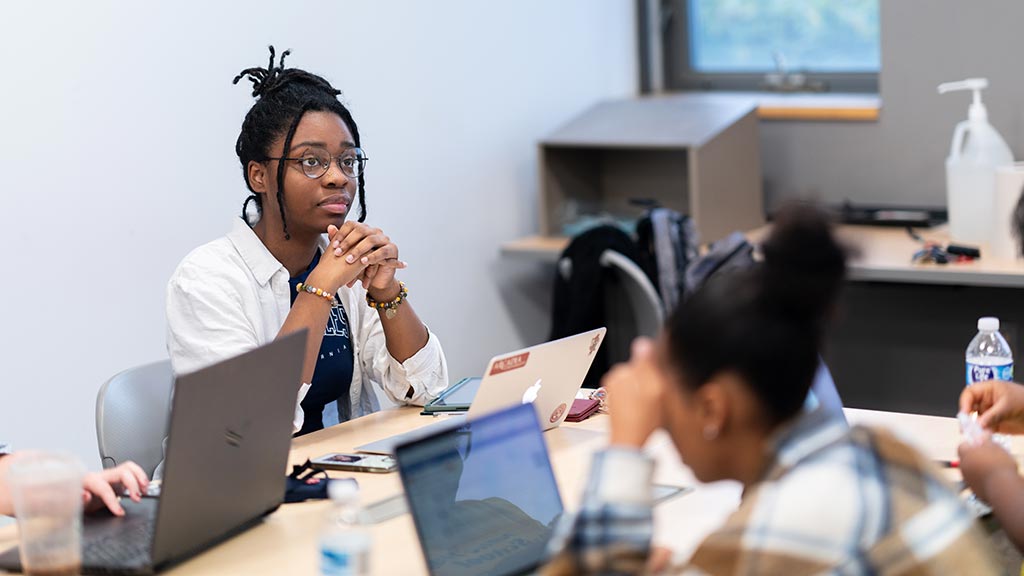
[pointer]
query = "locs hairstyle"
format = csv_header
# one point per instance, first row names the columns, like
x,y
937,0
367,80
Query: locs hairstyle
x,y
283,96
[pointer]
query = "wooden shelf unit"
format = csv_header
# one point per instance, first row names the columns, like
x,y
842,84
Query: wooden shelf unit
x,y
694,153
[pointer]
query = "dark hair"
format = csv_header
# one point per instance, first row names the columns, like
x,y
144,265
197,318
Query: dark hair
x,y
766,322
283,97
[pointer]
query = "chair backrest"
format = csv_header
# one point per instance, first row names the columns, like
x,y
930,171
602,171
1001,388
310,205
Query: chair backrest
x,y
632,305
132,410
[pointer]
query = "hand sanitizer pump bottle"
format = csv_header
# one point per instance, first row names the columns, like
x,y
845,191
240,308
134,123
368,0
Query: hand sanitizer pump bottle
x,y
976,152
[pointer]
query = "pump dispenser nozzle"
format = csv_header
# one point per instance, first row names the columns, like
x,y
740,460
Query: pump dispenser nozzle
x,y
977,110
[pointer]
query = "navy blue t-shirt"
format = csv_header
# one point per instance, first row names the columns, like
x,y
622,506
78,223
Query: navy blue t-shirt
x,y
332,376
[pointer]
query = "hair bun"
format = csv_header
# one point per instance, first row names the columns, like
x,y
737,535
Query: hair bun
x,y
804,265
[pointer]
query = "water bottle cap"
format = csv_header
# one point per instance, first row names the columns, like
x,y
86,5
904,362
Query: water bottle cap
x,y
342,490
988,324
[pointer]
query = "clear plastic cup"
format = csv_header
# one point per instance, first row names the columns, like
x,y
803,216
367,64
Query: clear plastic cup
x,y
46,490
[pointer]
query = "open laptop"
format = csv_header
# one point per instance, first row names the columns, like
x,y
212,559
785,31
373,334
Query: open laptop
x,y
229,436
482,495
547,376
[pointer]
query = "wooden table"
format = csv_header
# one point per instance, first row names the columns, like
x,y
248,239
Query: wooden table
x,y
286,542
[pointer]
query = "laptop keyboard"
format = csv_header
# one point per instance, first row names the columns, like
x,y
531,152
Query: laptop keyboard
x,y
116,545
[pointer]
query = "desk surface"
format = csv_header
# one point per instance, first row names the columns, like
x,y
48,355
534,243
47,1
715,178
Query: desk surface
x,y
286,542
883,255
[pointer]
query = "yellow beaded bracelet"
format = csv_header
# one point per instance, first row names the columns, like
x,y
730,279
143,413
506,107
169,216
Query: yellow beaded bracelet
x,y
390,308
300,287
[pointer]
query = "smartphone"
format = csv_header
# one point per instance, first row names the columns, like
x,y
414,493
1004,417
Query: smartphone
x,y
357,462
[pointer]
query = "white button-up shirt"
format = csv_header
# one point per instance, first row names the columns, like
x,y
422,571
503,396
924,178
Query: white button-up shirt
x,y
231,295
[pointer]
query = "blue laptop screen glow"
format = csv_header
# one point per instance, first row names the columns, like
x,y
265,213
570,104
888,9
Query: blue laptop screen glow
x,y
483,496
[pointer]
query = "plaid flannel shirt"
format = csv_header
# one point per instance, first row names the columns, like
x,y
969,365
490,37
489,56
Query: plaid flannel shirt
x,y
833,501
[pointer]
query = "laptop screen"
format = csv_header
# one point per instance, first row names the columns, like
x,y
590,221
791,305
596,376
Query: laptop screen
x,y
483,495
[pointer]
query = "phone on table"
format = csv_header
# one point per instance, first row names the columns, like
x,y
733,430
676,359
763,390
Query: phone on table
x,y
378,463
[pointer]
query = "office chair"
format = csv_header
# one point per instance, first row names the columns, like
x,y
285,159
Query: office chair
x,y
132,410
632,305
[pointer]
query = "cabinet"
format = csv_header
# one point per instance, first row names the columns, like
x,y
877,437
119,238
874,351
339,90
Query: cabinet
x,y
695,153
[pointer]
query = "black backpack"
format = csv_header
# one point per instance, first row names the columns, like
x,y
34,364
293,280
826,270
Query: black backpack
x,y
579,289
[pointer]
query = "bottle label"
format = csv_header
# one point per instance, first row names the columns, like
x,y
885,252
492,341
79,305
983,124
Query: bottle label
x,y
336,563
982,372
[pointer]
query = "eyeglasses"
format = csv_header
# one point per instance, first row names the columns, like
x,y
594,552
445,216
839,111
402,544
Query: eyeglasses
x,y
316,162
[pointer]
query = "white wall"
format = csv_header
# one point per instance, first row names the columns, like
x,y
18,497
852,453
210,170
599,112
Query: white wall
x,y
118,122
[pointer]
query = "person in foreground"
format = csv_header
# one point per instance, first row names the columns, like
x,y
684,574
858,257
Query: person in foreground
x,y
99,489
989,469
277,272
727,380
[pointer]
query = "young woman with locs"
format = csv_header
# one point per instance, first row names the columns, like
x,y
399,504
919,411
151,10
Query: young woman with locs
x,y
298,261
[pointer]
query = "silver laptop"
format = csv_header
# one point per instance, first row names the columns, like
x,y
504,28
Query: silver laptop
x,y
229,435
547,375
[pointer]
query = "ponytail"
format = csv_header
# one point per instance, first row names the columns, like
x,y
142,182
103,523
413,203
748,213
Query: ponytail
x,y
803,267
767,322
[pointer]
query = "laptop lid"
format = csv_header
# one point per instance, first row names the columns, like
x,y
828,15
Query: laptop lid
x,y
548,375
229,436
482,494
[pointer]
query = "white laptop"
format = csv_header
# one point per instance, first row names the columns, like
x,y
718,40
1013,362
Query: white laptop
x,y
547,375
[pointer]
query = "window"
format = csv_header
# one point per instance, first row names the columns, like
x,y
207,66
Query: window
x,y
765,44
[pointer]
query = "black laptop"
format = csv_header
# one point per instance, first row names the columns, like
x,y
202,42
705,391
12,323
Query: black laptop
x,y
228,441
482,494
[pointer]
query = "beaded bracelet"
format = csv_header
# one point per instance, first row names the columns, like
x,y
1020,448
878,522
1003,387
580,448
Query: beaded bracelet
x,y
300,287
390,308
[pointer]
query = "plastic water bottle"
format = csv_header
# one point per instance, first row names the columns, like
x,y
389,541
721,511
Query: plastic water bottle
x,y
988,355
345,543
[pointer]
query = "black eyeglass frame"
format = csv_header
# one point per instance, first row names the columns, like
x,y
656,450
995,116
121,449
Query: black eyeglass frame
x,y
361,159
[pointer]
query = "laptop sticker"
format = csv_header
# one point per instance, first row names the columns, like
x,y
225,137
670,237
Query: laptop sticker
x,y
594,344
557,413
510,363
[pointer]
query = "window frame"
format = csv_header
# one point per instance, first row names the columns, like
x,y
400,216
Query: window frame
x,y
679,75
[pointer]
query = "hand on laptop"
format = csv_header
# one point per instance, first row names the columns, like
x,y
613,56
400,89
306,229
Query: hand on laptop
x,y
634,396
100,489
1000,405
